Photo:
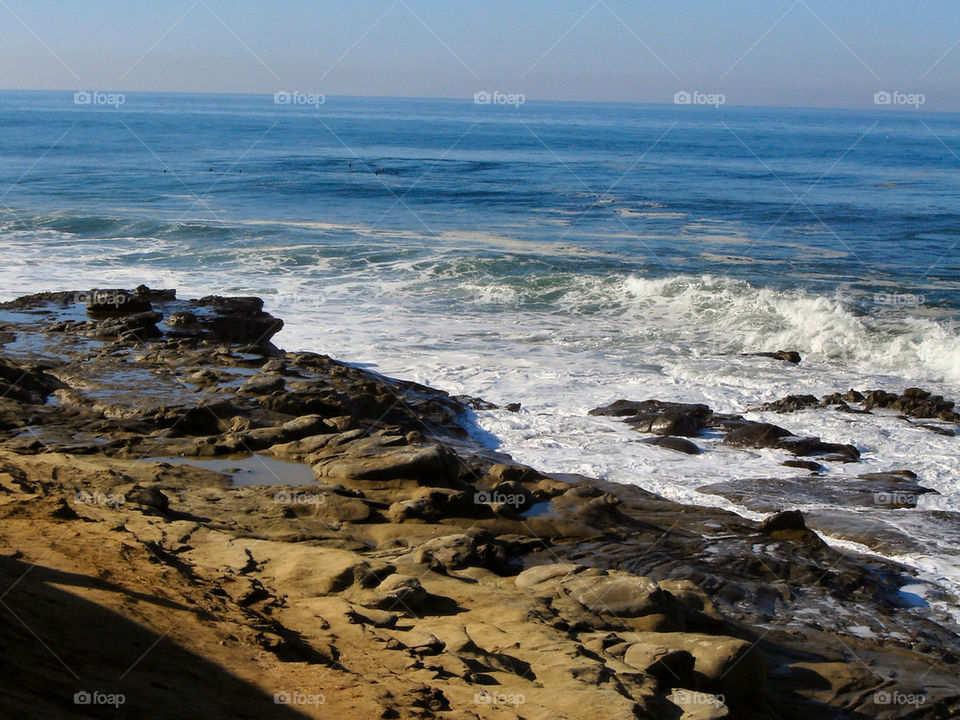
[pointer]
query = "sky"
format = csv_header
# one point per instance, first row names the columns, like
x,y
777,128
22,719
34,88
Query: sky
x,y
753,52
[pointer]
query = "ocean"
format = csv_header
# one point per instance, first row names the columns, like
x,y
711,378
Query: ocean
x,y
560,255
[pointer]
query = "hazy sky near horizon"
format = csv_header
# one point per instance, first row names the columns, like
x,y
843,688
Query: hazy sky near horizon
x,y
755,52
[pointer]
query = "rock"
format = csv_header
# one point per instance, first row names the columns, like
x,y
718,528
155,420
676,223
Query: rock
x,y
419,509
756,435
512,407
116,302
150,497
671,668
239,320
502,473
726,666
803,465
787,520
791,403
790,356
263,385
431,464
475,548
625,596
376,618
545,573
422,643
399,592
659,417
674,443
181,319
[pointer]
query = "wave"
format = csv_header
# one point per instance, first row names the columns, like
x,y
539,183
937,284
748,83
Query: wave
x,y
733,315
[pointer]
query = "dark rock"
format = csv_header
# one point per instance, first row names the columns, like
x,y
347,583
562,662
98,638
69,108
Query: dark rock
x,y
803,464
115,302
659,417
791,403
756,435
237,320
674,443
787,520
790,356
263,385
151,497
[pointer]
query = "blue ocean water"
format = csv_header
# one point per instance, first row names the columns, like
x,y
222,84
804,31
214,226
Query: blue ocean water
x,y
814,199
558,254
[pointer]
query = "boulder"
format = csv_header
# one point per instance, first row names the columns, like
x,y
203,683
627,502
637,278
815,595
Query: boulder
x,y
677,444
623,596
756,435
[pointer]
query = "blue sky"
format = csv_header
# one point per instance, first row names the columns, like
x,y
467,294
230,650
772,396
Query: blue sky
x,y
770,52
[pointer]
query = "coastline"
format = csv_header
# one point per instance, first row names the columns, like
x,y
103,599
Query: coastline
x,y
422,575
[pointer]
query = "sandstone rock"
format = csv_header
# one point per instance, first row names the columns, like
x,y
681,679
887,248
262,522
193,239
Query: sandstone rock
x,y
545,573
431,464
625,596
399,592
672,668
151,497
727,666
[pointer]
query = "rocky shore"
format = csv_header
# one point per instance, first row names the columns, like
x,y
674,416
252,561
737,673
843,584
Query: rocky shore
x,y
196,523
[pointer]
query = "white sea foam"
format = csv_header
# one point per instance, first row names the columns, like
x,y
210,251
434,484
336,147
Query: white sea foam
x,y
564,342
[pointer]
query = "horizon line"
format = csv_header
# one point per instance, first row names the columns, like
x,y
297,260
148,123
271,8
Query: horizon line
x,y
906,110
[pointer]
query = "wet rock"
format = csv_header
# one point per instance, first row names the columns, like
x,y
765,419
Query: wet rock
x,y
677,444
263,385
787,520
116,302
790,356
26,384
792,403
431,464
756,435
803,465
238,320
659,417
